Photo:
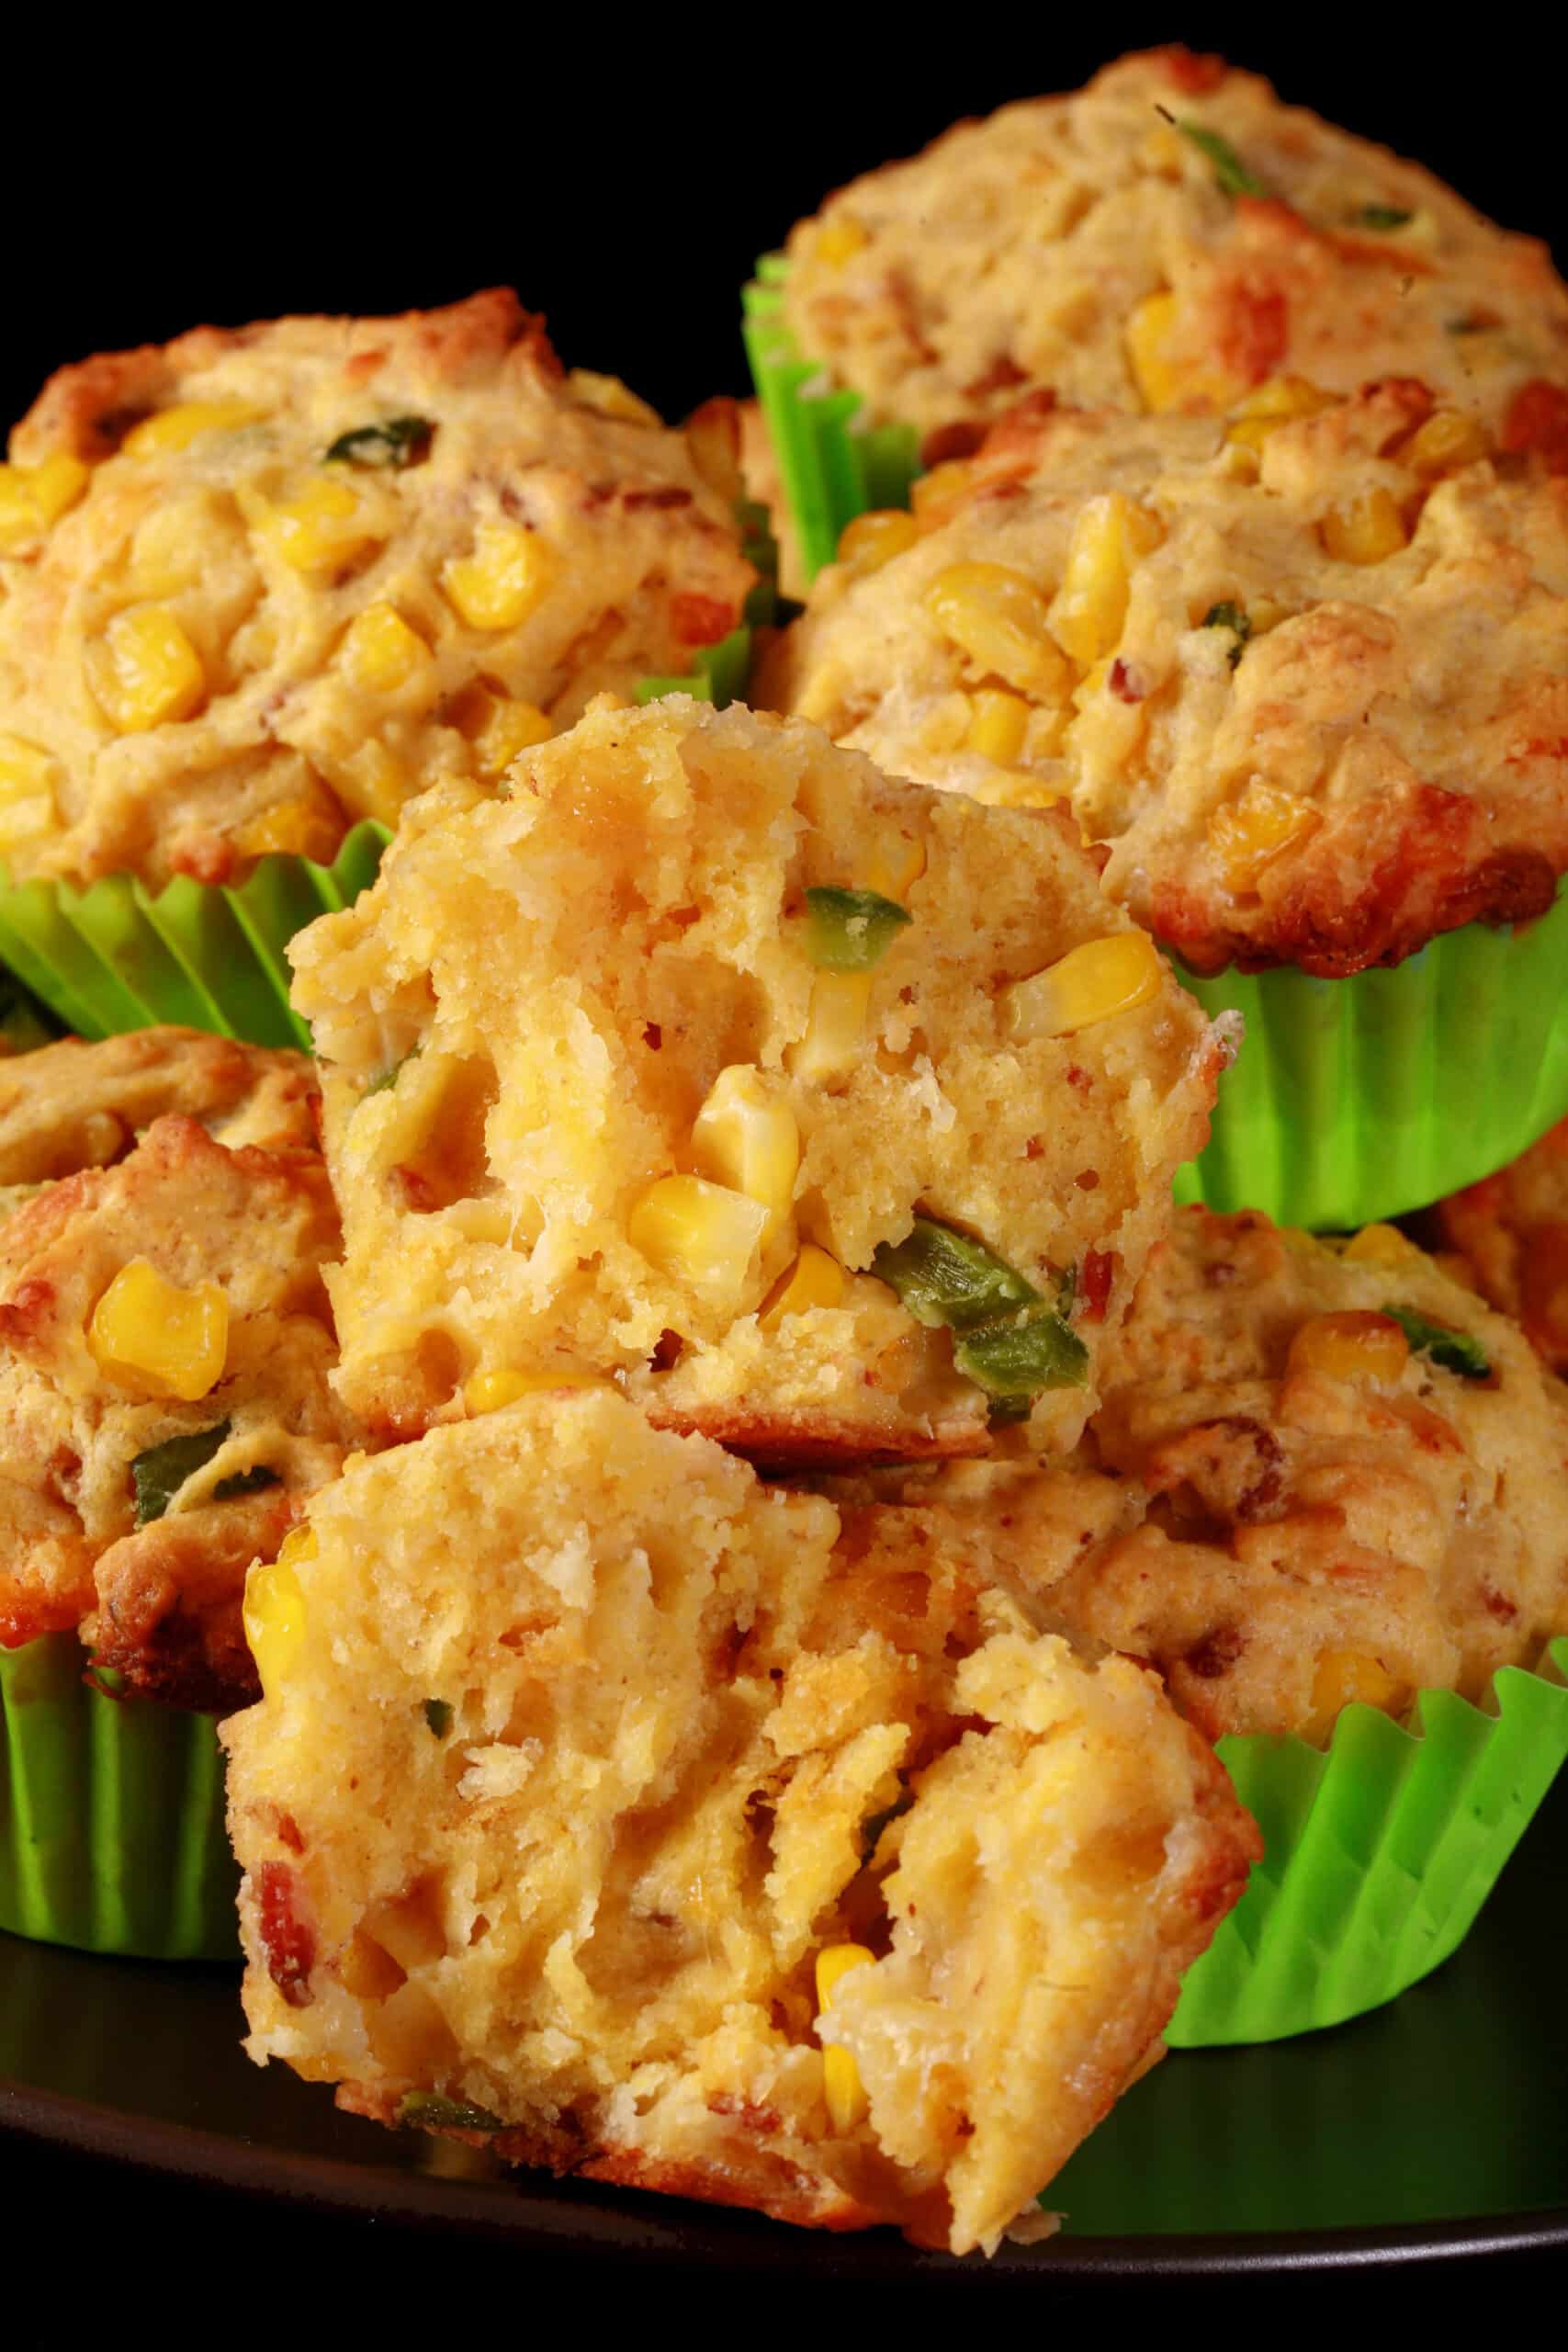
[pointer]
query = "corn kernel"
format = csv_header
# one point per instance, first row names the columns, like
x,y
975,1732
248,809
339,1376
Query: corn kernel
x,y
293,829
1089,609
321,528
1022,791
150,1335
1248,834
835,1029
813,1280
841,2085
894,863
504,580
273,1611
1282,400
699,1233
25,770
379,652
872,540
1379,1245
1160,384
58,483
1351,1678
1446,442
712,443
933,495
175,428
510,728
1354,1345
838,241
1090,983
486,1392
1001,620
32,497
1367,528
144,671
746,1138
374,783
998,726
609,397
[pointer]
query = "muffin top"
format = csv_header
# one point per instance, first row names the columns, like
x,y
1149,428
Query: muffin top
x,y
164,1346
1511,1234
262,583
1166,239
831,1115
628,1754
1304,672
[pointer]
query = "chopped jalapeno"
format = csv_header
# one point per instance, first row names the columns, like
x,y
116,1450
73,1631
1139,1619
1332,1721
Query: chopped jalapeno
x,y
1455,1351
1018,1355
1232,616
446,2114
851,931
397,441
245,1482
1384,216
1007,1339
389,1077
1229,170
947,1280
438,1715
160,1472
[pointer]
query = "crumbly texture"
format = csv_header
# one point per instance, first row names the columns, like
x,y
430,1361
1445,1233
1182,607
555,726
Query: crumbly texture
x,y
522,1020
160,1603
1403,722
698,1730
1278,1540
289,737
1017,250
1510,1233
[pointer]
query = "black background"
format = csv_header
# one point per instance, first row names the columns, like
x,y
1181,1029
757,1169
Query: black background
x,y
623,178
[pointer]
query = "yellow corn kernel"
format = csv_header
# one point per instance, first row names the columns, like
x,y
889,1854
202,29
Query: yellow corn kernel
x,y
1246,835
32,497
699,1233
746,1138
933,495
1021,791
838,241
274,1610
813,1280
1000,724
507,576
872,540
57,484
841,2085
894,863
379,652
609,397
25,770
144,671
1282,400
1160,384
835,1029
293,829
512,726
1354,1344
486,1392
1367,528
1091,983
1090,607
1446,442
1001,621
374,783
323,526
1379,1245
150,1335
1351,1678
177,427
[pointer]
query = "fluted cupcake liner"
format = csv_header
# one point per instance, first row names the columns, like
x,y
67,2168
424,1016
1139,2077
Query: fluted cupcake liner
x,y
112,1833
831,467
1379,1851
1366,1098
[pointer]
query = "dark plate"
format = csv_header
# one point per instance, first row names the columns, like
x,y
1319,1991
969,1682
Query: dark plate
x,y
1434,2128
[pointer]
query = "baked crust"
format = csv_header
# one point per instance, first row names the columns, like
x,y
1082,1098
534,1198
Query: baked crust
x,y
291,730
1510,1233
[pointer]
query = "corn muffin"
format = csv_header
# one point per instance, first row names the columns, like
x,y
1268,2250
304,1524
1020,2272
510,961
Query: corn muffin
x,y
261,583
1509,1234
1168,239
1304,672
1320,1474
825,1114
164,1346
655,1825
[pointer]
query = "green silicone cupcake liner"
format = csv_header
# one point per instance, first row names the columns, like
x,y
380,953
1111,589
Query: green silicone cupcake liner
x,y
24,1022
116,956
111,1816
1366,1098
1379,1851
831,467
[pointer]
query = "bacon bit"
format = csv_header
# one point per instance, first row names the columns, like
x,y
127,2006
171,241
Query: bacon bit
x,y
1498,1605
653,1037
1253,330
1034,1147
1099,1272
419,1193
944,442
672,496
290,1834
1087,1180
289,1946
1409,396
1126,684
1079,1079
1003,374
1537,424
1192,72
1216,1655
700,621
667,1353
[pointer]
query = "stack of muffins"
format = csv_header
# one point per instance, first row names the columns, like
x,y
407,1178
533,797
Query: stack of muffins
x,y
767,1585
